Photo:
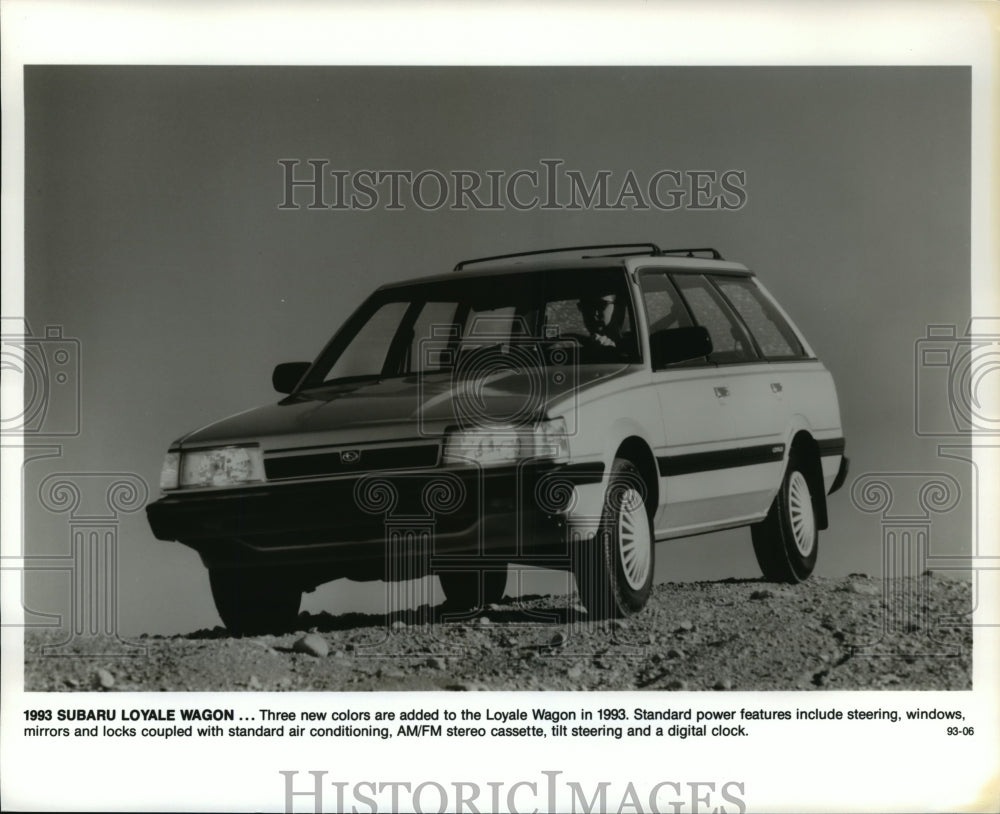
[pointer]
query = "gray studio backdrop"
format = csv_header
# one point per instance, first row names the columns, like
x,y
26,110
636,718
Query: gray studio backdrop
x,y
155,242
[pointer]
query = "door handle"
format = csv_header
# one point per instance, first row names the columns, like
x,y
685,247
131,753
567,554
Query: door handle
x,y
776,387
721,392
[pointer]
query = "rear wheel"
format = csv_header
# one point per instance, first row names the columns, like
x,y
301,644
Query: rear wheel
x,y
786,543
614,571
465,590
253,601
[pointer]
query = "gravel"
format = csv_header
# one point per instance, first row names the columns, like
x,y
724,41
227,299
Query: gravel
x,y
836,634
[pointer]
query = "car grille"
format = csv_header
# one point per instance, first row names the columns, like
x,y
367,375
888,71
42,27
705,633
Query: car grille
x,y
346,461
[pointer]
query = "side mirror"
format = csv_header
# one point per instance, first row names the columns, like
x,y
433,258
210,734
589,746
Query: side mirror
x,y
287,375
679,345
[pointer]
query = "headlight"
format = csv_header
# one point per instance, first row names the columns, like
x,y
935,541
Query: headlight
x,y
169,471
226,466
547,439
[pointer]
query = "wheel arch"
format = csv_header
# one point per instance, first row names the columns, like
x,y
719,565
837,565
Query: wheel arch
x,y
637,450
805,448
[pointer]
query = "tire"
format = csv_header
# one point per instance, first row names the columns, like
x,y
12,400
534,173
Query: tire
x,y
252,601
786,543
469,590
614,570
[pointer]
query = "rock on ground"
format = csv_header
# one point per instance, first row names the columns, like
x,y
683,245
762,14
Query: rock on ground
x,y
731,635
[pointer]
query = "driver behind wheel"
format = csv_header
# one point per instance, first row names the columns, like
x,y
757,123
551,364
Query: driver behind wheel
x,y
603,321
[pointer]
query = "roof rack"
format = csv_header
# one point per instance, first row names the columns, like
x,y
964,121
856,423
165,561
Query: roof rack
x,y
650,248
647,248
690,252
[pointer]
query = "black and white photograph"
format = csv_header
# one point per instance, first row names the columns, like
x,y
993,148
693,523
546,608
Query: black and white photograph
x,y
638,402
686,438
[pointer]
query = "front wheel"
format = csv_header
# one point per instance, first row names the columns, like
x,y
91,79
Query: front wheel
x,y
787,541
614,571
253,601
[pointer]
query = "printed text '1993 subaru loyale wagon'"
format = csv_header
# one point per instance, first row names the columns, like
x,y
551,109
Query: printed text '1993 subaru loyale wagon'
x,y
566,409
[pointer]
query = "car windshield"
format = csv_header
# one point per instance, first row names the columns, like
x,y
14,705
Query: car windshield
x,y
560,316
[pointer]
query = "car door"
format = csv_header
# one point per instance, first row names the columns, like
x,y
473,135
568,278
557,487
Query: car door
x,y
721,452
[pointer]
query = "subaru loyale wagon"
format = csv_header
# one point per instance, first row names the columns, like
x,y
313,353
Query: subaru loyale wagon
x,y
567,409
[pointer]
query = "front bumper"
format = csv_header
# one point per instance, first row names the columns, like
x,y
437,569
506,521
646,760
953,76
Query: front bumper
x,y
356,526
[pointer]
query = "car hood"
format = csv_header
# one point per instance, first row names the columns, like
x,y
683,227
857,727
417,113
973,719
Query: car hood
x,y
404,407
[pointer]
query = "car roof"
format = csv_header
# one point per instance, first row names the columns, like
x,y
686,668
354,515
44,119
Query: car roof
x,y
507,267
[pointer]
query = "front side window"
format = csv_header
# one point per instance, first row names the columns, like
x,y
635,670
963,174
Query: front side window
x,y
665,313
730,342
664,309
598,322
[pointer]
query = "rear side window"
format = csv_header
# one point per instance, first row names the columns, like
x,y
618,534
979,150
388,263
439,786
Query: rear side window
x,y
730,342
772,333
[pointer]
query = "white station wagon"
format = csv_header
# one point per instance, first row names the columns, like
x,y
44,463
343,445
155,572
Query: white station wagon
x,y
564,413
